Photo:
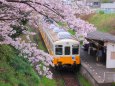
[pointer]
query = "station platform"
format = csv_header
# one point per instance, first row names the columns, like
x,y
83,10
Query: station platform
x,y
96,72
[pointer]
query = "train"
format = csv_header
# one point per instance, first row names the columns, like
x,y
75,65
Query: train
x,y
64,48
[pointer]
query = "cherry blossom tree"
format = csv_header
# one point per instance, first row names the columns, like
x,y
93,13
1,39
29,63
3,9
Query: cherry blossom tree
x,y
17,12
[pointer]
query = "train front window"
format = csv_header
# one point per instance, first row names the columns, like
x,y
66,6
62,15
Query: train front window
x,y
67,50
75,50
58,49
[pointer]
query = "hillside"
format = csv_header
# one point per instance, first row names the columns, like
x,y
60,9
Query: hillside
x,y
103,22
16,71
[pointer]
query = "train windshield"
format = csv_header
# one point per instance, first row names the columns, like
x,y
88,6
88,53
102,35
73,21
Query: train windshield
x,y
75,49
58,50
67,50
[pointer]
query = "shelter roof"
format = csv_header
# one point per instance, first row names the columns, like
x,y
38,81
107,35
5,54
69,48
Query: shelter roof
x,y
96,35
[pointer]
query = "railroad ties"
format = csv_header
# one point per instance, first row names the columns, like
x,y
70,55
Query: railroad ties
x,y
68,78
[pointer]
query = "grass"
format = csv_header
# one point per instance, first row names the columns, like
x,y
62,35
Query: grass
x,y
15,70
113,84
61,82
38,39
103,22
61,24
83,81
47,82
72,32
35,39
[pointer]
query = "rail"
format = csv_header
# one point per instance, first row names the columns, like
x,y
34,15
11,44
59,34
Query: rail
x,y
69,77
66,77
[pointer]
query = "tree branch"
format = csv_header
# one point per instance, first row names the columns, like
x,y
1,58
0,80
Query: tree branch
x,y
27,2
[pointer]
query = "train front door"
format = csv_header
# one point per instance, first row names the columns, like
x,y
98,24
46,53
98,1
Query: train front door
x,y
67,50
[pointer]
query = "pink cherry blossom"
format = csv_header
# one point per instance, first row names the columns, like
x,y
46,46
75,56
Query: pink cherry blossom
x,y
12,11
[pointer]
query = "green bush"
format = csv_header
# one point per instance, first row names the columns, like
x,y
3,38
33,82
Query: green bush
x,y
113,84
18,30
5,84
105,1
16,71
47,82
24,21
22,84
71,31
83,81
101,12
103,22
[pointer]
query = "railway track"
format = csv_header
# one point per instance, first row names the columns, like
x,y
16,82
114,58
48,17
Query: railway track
x,y
70,78
63,77
66,77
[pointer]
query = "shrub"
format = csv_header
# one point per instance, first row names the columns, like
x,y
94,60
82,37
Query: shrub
x,y
105,1
16,71
24,21
101,12
22,84
18,30
113,84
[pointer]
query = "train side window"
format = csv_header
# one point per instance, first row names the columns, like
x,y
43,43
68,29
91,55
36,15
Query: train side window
x,y
58,49
75,50
67,50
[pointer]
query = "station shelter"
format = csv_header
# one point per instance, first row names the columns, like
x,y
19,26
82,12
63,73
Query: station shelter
x,y
101,44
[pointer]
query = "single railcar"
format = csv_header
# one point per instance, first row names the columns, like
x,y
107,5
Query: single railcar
x,y
64,48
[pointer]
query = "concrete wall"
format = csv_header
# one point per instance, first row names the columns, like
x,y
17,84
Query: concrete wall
x,y
90,78
110,59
